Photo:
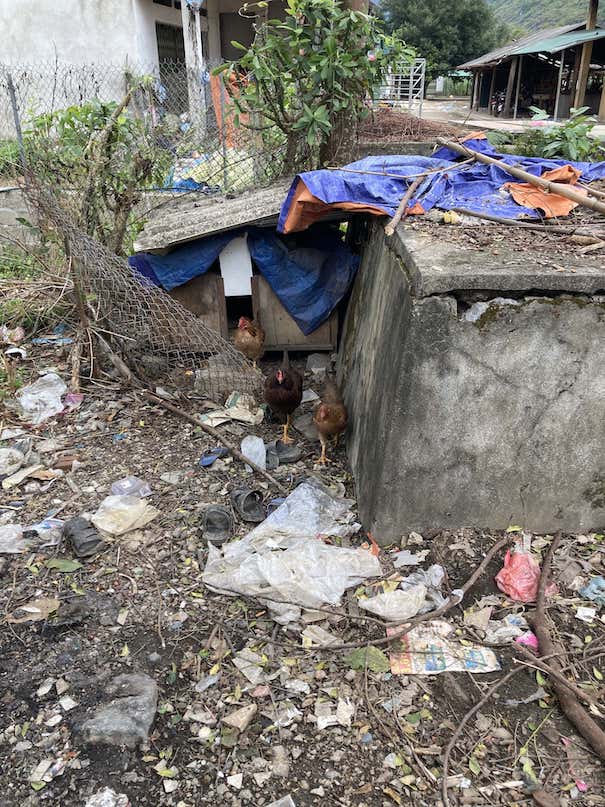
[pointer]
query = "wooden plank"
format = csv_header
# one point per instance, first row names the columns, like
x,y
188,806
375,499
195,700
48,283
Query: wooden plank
x,y
281,331
204,296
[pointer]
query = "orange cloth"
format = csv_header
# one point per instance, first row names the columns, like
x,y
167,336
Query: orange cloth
x,y
217,88
551,204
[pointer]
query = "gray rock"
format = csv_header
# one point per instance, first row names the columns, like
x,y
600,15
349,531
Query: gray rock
x,y
126,720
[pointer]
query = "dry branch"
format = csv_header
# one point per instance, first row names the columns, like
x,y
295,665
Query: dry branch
x,y
217,436
570,705
546,185
402,209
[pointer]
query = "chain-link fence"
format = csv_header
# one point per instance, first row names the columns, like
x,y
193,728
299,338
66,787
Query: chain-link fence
x,y
189,121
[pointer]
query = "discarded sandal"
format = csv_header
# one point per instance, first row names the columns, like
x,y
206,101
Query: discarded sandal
x,y
287,452
248,504
217,524
83,536
208,458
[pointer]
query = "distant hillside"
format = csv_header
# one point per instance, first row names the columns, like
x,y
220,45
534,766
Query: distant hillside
x,y
532,15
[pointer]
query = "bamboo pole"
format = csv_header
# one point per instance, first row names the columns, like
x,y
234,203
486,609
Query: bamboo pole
x,y
546,185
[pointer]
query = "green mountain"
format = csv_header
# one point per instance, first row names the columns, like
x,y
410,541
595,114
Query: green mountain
x,y
532,15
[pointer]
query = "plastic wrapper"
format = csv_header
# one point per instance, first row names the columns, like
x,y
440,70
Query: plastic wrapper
x,y
10,461
431,648
520,576
11,539
121,514
253,449
594,590
398,605
39,401
284,560
131,486
432,578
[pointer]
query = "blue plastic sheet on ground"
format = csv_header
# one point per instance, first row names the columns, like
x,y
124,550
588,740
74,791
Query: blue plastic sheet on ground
x,y
474,186
310,274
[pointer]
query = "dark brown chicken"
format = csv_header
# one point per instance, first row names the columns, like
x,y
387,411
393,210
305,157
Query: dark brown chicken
x,y
283,393
249,339
330,417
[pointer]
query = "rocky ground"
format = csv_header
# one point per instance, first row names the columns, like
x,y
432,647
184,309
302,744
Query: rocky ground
x,y
282,723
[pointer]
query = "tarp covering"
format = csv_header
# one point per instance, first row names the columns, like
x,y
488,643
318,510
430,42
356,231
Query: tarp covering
x,y
377,184
310,274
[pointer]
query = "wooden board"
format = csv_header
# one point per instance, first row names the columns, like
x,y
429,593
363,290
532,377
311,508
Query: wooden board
x,y
205,297
281,331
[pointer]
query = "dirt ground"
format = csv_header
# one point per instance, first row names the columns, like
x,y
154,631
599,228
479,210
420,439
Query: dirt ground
x,y
141,606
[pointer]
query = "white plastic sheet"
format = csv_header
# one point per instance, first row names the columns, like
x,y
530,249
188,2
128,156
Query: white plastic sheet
x,y
284,559
120,514
396,606
39,401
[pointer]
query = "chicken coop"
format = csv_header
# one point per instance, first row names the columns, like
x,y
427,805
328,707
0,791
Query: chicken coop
x,y
222,259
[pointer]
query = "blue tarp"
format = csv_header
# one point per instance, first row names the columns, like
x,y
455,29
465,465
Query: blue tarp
x,y
475,186
309,274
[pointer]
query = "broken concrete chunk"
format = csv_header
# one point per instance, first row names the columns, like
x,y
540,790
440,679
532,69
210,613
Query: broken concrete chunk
x,y
241,718
126,720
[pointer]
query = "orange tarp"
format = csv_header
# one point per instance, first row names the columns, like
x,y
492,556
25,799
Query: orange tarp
x,y
551,204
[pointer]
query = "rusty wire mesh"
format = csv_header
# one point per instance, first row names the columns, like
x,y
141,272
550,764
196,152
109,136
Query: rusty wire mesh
x,y
157,338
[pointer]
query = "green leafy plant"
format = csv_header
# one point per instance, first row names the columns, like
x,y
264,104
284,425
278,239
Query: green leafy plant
x,y
310,76
570,140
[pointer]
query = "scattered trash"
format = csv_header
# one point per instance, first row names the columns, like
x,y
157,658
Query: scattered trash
x,y
585,614
41,400
284,560
131,486
427,650
432,578
248,504
72,402
505,630
253,449
316,636
10,434
594,590
217,524
538,695
238,406
11,336
407,558
520,576
306,426
10,461
318,363
34,611
11,540
241,718
477,310
83,537
108,798
274,504
126,720
286,801
208,458
48,532
309,396
529,639
397,605
118,515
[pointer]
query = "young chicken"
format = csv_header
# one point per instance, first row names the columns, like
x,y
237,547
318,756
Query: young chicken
x,y
330,417
249,339
283,393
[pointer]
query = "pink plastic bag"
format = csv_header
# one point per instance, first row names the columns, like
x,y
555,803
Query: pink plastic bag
x,y
520,576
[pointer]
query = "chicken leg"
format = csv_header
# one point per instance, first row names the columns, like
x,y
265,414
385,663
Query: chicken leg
x,y
323,460
285,439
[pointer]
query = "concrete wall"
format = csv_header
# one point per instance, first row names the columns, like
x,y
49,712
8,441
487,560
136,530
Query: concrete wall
x,y
82,31
485,423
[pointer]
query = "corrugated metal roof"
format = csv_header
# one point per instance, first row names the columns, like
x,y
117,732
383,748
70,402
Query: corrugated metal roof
x,y
559,43
512,48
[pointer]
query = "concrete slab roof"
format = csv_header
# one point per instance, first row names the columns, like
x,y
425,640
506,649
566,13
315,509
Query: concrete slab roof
x,y
436,267
189,216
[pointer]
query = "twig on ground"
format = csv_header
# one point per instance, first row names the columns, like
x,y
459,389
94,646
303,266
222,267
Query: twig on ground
x,y
538,663
570,705
217,436
401,211
448,749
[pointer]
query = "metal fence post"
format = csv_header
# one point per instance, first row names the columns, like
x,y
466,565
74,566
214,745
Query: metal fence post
x,y
224,139
17,121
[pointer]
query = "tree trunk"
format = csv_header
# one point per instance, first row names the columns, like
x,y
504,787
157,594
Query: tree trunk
x,y
357,5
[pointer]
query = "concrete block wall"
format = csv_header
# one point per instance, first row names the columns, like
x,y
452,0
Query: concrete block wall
x,y
484,424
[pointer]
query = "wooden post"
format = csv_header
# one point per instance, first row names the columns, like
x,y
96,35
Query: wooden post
x,y
492,86
602,105
518,86
512,73
560,79
591,24
480,90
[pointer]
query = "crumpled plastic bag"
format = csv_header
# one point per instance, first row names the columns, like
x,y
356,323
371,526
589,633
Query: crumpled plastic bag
x,y
594,590
432,578
39,401
397,605
118,515
520,576
11,539
131,486
283,559
11,459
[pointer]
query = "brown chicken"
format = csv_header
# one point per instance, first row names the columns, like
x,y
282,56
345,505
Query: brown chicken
x,y
330,417
283,393
249,339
